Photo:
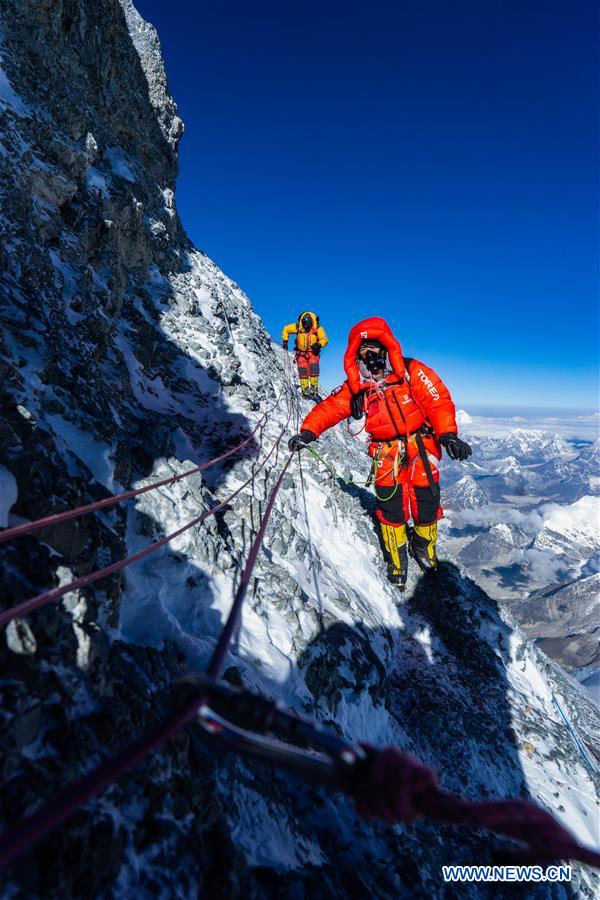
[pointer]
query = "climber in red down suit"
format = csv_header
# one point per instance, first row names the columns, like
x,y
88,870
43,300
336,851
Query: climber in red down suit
x,y
409,417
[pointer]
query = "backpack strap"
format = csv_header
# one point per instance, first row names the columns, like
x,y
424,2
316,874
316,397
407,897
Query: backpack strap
x,y
425,461
426,427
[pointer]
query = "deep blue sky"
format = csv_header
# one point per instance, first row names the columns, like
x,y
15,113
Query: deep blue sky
x,y
431,162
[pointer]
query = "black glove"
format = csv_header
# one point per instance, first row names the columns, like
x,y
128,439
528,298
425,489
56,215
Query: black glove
x,y
298,441
284,345
357,404
316,348
455,448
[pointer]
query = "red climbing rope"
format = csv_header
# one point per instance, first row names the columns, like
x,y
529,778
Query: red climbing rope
x,y
69,514
397,788
42,599
21,837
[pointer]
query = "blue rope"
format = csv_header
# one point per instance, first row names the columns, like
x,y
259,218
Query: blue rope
x,y
576,740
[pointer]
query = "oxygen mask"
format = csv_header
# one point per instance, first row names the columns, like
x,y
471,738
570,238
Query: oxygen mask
x,y
372,360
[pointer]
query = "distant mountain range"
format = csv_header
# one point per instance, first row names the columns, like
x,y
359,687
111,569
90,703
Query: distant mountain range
x,y
523,515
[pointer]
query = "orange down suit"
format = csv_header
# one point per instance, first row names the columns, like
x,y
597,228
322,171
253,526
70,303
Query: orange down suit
x,y
405,415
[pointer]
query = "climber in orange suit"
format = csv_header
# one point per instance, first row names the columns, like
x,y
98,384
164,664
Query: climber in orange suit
x,y
310,340
409,417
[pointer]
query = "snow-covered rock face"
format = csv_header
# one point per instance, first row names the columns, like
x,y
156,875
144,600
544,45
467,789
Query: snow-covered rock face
x,y
466,493
572,530
566,621
125,355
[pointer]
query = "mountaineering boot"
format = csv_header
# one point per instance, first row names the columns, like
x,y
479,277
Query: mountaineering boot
x,y
304,388
314,387
394,540
422,540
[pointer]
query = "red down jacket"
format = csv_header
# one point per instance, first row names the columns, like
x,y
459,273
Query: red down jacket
x,y
412,395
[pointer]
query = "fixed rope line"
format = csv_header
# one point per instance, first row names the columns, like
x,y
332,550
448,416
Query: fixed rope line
x,y
370,481
66,516
216,663
331,470
311,552
593,767
386,784
293,394
286,377
291,389
294,399
290,392
49,596
74,796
